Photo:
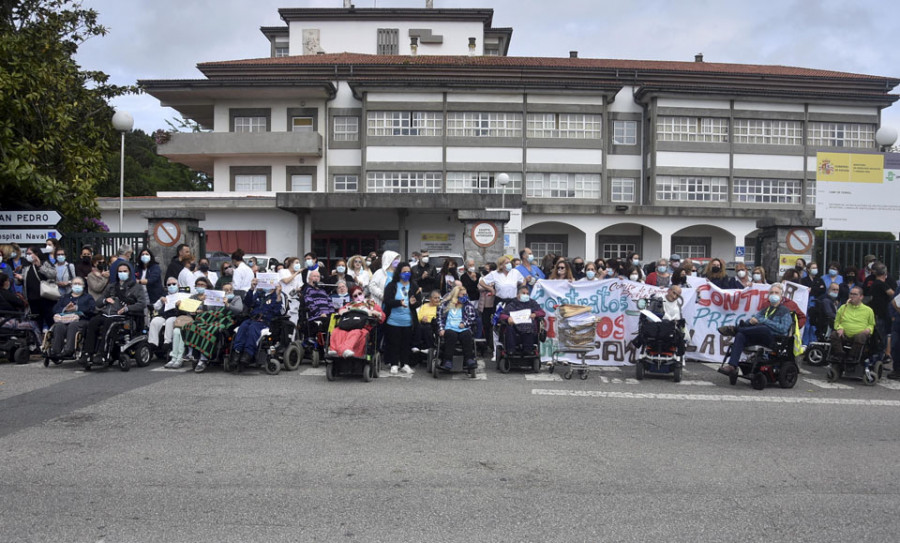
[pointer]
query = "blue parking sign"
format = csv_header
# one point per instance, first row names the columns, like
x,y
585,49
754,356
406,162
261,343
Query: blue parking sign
x,y
740,250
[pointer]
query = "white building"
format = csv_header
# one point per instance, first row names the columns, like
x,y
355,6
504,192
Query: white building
x,y
368,129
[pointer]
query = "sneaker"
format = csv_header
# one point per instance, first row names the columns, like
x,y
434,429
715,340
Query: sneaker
x,y
727,369
177,364
170,365
395,370
447,365
407,369
727,330
201,367
416,350
471,364
348,353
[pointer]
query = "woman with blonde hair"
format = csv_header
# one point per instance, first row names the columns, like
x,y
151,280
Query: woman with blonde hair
x,y
357,269
715,273
759,276
456,319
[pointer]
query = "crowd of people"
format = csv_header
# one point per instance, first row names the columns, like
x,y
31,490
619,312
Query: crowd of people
x,y
406,293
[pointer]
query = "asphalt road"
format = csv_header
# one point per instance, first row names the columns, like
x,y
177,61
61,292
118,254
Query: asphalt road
x,y
156,455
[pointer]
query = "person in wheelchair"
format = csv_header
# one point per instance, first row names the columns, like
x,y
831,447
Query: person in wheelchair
x,y
167,311
854,323
669,311
771,321
423,335
456,319
265,306
124,297
316,305
70,316
359,317
204,334
825,310
184,318
522,336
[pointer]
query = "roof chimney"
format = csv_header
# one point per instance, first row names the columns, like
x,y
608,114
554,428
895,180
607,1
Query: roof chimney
x,y
429,4
573,54
471,47
698,57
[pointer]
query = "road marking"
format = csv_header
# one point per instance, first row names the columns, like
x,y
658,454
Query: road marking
x,y
617,381
804,372
479,376
184,369
313,372
543,377
712,365
608,368
697,383
893,385
712,397
826,384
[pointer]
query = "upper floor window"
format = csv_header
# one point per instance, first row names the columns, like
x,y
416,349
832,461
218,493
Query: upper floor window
x,y
768,132
249,124
388,41
691,189
301,124
482,183
692,129
405,123
247,183
622,190
564,125
422,182
346,183
624,132
301,183
811,193
346,128
473,124
767,191
282,51
841,135
562,185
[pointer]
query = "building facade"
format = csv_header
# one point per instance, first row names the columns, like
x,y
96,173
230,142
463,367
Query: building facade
x,y
367,129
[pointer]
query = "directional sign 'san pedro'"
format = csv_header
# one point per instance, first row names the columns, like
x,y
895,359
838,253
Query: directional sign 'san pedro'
x,y
29,218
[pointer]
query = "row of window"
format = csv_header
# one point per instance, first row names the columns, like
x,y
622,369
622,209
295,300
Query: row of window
x,y
763,131
745,190
616,250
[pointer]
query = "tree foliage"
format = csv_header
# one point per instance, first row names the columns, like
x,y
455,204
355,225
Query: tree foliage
x,y
147,173
56,135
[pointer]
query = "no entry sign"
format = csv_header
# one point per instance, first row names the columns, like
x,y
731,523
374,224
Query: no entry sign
x,y
167,233
800,240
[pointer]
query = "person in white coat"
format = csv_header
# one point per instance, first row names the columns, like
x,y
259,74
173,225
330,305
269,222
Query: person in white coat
x,y
389,261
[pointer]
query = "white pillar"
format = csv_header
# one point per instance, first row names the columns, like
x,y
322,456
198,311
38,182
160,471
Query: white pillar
x,y
590,247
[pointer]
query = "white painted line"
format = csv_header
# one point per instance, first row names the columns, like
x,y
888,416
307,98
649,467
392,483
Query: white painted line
x,y
712,397
618,381
543,377
804,372
313,372
826,384
401,375
893,385
183,369
712,366
608,368
479,376
697,383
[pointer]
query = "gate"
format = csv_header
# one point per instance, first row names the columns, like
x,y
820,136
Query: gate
x,y
105,243
852,252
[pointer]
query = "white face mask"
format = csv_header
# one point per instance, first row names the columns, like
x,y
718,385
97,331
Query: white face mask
x,y
425,260
741,274
413,262
633,277
757,277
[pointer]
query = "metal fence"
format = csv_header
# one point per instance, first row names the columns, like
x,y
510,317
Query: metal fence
x,y
852,252
104,243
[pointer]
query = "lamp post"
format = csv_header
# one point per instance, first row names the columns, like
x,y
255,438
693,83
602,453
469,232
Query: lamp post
x,y
503,180
885,137
123,122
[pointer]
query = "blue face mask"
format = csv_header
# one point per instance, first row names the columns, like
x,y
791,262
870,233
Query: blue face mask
x,y
590,274
341,269
661,269
832,273
201,290
463,299
774,299
172,288
310,264
61,259
77,289
524,297
123,276
229,296
833,294
508,266
145,259
14,255
297,267
405,276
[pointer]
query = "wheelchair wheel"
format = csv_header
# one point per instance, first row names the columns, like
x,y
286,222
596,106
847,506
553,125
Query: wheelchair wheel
x,y
732,379
787,377
582,374
329,371
46,361
315,358
536,364
124,362
834,373
367,372
21,355
758,381
293,355
431,363
639,370
376,367
815,356
273,366
503,363
142,355
568,374
676,373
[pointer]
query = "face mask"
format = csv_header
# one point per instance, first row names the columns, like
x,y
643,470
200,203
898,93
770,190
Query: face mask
x,y
530,258
716,269
757,277
201,290
368,262
405,276
636,262
610,272
61,259
833,294
590,274
123,276
77,289
694,273
145,259
49,248
463,299
524,297
297,267
814,271
425,260
741,274
229,296
870,265
310,263
341,269
676,265
832,273
774,299
508,266
204,268
229,271
633,277
14,255
660,269
471,269
799,267
395,263
172,288
413,262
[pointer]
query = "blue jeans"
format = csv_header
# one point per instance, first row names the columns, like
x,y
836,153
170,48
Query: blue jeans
x,y
754,334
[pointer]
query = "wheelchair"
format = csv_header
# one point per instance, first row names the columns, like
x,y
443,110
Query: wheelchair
x,y
271,348
508,359
306,342
124,343
367,367
435,357
16,343
764,366
869,367
661,343
818,351
57,360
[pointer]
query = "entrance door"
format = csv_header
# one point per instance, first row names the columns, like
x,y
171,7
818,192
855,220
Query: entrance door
x,y
332,247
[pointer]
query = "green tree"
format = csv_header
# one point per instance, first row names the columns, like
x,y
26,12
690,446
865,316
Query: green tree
x,y
147,173
55,131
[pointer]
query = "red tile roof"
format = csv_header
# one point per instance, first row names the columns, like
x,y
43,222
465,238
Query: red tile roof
x,y
538,62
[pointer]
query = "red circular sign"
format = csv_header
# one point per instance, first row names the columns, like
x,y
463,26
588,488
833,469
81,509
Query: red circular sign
x,y
167,233
484,234
800,240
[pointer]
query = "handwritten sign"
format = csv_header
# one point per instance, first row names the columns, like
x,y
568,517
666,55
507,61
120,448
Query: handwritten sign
x,y
267,281
520,317
215,298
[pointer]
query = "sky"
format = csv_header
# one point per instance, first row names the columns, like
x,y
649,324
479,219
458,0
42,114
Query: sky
x,y
166,39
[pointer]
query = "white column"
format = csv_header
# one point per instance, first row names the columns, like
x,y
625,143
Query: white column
x,y
590,247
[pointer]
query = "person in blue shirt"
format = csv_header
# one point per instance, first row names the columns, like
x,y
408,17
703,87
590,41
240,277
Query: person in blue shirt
x,y
76,302
761,329
456,319
529,269
400,309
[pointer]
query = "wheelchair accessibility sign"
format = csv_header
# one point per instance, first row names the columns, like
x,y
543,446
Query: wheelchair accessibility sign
x,y
739,253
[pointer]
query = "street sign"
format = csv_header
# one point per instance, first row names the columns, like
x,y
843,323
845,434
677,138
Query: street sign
x,y
29,218
740,250
24,237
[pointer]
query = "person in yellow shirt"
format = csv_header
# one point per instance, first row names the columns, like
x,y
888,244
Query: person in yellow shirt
x,y
854,322
423,337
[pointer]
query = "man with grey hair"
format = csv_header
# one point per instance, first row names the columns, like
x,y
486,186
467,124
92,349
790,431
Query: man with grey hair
x,y
773,320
